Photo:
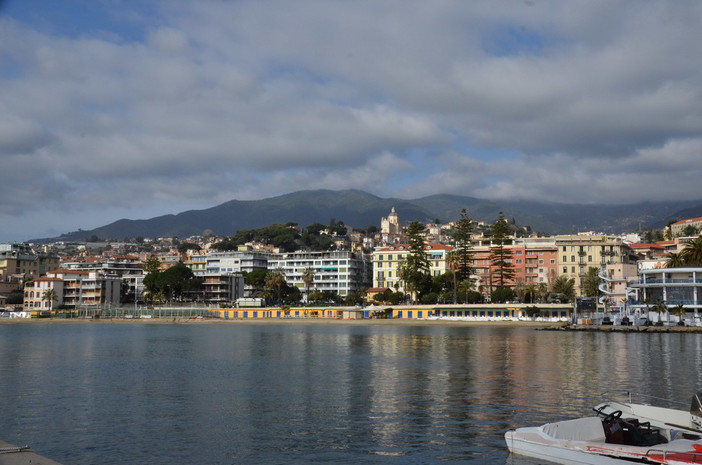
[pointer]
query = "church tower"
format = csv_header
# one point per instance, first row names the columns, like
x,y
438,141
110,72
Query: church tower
x,y
391,224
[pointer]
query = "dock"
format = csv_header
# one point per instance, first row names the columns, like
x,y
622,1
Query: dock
x,y
624,329
21,455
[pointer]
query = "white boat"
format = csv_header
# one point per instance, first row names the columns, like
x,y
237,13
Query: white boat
x,y
658,416
663,436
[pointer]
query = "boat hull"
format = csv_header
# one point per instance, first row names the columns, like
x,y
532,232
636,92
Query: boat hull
x,y
556,454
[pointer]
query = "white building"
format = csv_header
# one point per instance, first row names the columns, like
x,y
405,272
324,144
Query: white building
x,y
671,286
341,272
223,272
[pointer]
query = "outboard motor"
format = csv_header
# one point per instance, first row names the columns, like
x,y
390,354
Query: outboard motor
x,y
696,411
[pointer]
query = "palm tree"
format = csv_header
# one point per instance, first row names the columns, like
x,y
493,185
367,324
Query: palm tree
x,y
564,285
592,282
520,290
692,253
647,301
541,291
308,279
675,260
679,311
466,286
50,296
531,292
659,307
452,264
275,280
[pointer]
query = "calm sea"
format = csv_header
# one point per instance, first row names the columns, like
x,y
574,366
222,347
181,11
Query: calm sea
x,y
140,393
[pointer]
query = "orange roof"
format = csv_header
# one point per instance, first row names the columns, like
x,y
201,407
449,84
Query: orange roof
x,y
64,271
378,289
48,279
689,220
404,247
646,246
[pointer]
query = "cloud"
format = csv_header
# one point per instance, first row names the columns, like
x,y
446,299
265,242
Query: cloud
x,y
174,104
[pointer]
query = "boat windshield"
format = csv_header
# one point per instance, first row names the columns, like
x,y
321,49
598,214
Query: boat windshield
x,y
696,407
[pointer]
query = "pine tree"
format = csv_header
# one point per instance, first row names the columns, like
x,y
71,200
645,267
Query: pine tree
x,y
500,254
463,252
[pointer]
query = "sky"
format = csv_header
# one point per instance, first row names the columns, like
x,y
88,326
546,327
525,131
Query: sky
x,y
115,109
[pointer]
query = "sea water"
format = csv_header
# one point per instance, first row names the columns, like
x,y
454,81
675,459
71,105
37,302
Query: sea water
x,y
233,393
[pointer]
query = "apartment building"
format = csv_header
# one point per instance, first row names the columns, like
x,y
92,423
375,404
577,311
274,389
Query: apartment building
x,y
614,283
74,289
386,261
128,268
223,272
534,262
577,253
222,288
227,262
342,272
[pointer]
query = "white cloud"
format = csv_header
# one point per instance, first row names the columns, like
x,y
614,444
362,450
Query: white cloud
x,y
565,101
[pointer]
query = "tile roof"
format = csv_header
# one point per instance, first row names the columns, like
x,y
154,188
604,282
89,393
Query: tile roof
x,y
689,220
405,247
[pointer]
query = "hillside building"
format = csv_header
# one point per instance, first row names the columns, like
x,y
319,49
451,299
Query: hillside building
x,y
678,228
391,223
19,260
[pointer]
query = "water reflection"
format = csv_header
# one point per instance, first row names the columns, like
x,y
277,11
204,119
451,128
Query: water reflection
x,y
137,393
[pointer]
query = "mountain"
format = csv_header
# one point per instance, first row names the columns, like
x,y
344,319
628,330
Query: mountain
x,y
361,209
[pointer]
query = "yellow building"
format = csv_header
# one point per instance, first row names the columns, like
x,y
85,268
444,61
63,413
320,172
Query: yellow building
x,y
386,261
578,253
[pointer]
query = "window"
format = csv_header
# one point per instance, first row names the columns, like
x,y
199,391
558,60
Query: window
x,y
541,261
589,258
553,262
517,252
519,261
572,258
565,269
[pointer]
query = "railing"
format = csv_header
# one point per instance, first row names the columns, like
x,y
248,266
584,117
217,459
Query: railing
x,y
639,282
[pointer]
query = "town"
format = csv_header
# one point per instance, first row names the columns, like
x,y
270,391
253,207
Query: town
x,y
461,269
